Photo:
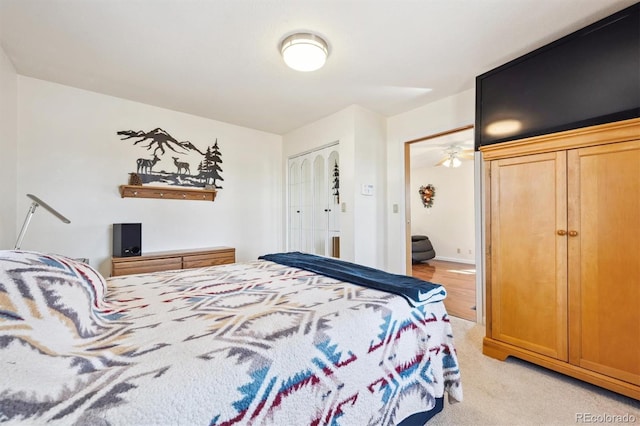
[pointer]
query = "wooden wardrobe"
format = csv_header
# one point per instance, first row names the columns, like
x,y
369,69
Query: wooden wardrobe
x,y
563,253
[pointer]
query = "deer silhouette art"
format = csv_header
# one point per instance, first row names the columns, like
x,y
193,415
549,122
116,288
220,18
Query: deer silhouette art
x,y
182,167
145,165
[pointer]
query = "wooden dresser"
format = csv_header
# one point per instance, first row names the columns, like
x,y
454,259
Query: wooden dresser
x,y
175,259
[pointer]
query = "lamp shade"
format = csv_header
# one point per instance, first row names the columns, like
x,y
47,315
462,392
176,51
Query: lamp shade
x,y
304,51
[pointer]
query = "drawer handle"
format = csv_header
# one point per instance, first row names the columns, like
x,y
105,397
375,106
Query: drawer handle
x,y
561,232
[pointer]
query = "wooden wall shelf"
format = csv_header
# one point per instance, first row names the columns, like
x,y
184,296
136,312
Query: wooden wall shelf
x,y
167,192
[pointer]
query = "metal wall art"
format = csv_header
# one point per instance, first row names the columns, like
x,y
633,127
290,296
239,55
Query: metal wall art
x,y
171,162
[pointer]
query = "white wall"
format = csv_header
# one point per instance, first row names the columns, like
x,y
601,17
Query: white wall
x,y
8,148
70,156
361,134
446,114
370,160
449,223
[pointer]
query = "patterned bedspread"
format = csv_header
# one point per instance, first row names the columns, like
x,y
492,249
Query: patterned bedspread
x,y
246,343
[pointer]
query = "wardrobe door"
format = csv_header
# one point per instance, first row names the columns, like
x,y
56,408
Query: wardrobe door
x,y
604,259
528,256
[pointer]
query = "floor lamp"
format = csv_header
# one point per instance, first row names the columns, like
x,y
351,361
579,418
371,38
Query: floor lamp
x,y
34,205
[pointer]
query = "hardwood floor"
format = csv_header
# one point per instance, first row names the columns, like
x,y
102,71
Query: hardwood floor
x,y
459,279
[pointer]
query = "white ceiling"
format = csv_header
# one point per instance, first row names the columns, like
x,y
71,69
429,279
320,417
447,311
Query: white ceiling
x,y
220,58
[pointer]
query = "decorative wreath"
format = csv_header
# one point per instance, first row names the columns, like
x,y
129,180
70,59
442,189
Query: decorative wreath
x,y
427,195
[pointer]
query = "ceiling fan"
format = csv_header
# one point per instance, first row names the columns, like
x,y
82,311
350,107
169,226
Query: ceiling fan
x,y
453,156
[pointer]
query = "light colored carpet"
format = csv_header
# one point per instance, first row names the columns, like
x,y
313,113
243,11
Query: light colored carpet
x,y
515,392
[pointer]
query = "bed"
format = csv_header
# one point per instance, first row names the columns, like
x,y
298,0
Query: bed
x,y
258,342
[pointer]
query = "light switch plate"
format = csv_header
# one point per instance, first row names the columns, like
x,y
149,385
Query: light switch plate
x,y
367,189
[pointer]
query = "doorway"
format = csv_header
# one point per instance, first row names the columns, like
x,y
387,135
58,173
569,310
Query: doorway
x,y
441,204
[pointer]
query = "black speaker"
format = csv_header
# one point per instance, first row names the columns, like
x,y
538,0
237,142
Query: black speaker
x,y
127,239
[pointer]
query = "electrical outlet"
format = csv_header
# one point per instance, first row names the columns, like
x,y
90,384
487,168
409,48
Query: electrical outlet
x,y
470,252
459,251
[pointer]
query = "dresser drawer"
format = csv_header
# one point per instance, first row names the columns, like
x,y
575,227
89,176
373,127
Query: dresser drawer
x,y
144,266
203,260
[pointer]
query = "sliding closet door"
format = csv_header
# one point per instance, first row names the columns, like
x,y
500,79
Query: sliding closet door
x,y
333,203
320,221
313,201
306,206
295,223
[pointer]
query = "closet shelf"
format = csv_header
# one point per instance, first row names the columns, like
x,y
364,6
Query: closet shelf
x,y
167,192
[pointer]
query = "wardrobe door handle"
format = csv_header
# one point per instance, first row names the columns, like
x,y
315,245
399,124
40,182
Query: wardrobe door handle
x,y
561,232
573,233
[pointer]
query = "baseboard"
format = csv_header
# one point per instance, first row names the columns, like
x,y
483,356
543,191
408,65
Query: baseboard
x,y
453,259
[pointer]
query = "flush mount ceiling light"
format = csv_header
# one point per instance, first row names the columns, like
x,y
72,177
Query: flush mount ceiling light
x,y
304,51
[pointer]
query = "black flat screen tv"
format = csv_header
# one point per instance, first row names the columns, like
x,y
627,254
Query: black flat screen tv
x,y
589,77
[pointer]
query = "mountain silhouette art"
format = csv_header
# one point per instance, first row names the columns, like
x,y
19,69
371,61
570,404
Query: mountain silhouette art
x,y
158,140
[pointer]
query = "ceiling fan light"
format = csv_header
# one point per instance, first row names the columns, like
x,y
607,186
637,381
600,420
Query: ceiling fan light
x,y
304,52
452,161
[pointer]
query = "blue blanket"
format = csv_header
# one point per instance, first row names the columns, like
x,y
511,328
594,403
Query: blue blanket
x,y
416,291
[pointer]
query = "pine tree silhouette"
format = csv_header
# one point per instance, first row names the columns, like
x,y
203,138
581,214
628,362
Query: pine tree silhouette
x,y
201,176
215,158
207,163
209,167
